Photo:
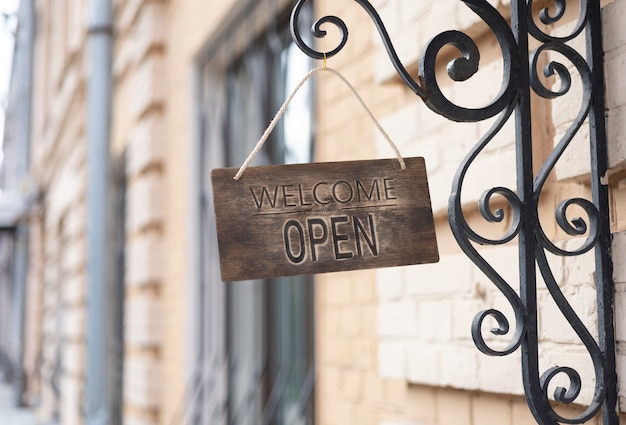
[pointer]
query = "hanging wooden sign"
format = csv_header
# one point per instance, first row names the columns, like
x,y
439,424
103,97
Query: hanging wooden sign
x,y
324,217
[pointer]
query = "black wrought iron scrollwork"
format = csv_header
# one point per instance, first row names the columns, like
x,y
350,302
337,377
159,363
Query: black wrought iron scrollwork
x,y
521,77
547,19
567,395
465,235
463,68
318,32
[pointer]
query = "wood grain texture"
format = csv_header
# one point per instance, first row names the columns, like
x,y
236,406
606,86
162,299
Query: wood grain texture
x,y
324,217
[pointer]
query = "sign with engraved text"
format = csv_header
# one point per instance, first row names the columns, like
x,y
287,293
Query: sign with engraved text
x,y
291,220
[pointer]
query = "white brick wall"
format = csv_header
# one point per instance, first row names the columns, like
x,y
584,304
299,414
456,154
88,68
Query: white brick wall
x,y
145,203
143,321
76,28
398,319
621,376
146,144
435,348
149,85
435,320
76,221
68,186
75,255
149,29
71,399
143,60
144,263
390,283
423,363
73,358
619,276
141,382
411,11
467,18
615,60
500,374
73,322
392,359
619,251
459,367
130,12
74,290
451,276
445,298
131,419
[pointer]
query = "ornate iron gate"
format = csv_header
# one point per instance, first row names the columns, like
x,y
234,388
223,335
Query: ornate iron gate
x,y
521,77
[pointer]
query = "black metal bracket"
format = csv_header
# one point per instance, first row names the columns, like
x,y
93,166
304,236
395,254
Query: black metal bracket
x,y
520,79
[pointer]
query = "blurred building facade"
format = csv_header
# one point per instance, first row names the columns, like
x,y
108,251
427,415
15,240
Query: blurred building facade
x,y
17,195
192,87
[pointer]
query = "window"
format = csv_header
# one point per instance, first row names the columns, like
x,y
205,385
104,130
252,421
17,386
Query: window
x,y
255,356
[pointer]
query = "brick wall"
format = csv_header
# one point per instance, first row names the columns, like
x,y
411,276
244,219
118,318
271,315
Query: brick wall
x,y
393,346
427,370
57,274
154,123
139,70
350,389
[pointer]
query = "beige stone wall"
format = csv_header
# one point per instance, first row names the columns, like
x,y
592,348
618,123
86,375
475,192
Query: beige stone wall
x,y
34,308
349,388
57,275
154,124
138,135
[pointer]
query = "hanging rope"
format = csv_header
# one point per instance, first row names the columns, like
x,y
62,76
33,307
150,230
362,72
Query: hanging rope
x,y
283,108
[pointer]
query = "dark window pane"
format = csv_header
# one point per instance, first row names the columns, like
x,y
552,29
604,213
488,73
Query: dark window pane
x,y
255,351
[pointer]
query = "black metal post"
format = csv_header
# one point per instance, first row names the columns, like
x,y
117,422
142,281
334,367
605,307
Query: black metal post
x,y
520,81
527,241
600,190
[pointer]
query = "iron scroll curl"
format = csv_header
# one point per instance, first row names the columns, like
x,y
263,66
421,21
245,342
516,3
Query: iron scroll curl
x,y
426,85
521,76
319,32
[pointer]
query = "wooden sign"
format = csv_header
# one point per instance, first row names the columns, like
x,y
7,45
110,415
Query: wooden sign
x,y
324,217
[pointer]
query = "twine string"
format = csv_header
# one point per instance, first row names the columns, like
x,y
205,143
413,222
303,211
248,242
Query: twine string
x,y
283,109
